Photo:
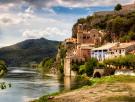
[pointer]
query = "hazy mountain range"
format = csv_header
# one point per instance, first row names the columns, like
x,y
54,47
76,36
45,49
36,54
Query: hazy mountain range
x,y
27,51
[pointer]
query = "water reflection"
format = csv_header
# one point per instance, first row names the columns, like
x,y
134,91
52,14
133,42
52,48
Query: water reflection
x,y
27,84
69,82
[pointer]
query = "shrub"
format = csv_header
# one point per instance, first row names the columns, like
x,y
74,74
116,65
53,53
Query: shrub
x,y
90,65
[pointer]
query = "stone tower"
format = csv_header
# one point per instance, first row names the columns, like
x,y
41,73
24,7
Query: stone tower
x,y
79,33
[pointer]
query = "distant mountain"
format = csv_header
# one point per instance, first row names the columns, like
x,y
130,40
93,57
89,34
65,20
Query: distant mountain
x,y
28,51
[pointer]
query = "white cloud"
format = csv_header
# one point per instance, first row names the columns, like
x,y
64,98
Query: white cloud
x,y
67,3
87,3
47,32
29,10
9,19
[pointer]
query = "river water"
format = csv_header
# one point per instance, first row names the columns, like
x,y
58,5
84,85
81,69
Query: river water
x,y
27,83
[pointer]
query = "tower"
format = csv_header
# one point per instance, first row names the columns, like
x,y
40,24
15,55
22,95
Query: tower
x,y
79,33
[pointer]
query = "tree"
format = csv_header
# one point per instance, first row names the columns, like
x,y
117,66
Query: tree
x,y
118,7
90,65
82,69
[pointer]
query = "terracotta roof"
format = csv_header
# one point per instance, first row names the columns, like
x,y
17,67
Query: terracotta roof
x,y
132,52
105,47
87,46
123,45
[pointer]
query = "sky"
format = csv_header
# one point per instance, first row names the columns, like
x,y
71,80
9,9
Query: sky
x,y
51,19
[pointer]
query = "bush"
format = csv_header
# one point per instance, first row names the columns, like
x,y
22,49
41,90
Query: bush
x,y
82,69
90,65
46,65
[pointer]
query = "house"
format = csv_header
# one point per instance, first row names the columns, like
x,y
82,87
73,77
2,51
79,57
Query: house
x,y
101,53
71,40
84,50
121,49
111,50
92,36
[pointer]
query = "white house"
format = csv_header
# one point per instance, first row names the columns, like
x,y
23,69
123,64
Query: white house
x,y
102,53
111,50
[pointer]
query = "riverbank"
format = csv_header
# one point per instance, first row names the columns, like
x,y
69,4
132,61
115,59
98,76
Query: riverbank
x,y
111,88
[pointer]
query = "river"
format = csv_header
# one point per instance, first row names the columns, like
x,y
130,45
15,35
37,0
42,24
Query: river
x,y
27,83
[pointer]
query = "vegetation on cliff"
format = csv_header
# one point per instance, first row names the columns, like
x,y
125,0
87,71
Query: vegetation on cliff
x,y
54,64
119,26
45,65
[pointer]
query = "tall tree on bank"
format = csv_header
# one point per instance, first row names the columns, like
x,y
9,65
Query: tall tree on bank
x,y
118,7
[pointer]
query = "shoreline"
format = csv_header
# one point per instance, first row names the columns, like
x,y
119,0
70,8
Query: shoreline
x,y
101,89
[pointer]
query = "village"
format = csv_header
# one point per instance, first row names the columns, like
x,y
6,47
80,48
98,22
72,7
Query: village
x,y
88,44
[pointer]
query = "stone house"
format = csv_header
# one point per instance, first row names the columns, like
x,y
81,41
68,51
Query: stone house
x,y
92,36
121,49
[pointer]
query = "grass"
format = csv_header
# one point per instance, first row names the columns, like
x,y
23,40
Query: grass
x,y
45,98
113,79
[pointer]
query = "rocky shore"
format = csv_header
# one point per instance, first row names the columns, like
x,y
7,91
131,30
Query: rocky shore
x,y
117,92
106,89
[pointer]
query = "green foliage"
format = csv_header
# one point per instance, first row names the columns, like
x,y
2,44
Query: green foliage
x,y
75,67
82,69
33,50
118,26
113,79
127,61
63,53
82,20
90,65
46,64
118,7
3,68
100,65
61,68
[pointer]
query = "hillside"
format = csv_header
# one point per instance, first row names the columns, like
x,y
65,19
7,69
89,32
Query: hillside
x,y
118,25
28,51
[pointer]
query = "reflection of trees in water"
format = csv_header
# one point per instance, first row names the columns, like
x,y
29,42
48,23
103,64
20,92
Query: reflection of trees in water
x,y
71,83
3,68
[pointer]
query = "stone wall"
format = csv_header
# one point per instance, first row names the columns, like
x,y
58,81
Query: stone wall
x,y
67,67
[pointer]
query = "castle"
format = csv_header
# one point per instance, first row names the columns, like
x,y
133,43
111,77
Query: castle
x,y
81,46
84,45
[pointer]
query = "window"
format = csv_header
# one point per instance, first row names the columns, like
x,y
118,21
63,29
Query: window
x,y
120,51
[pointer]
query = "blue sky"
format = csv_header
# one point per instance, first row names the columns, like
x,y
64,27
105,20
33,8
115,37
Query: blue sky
x,y
52,19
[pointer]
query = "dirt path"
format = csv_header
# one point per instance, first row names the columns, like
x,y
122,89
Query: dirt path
x,y
118,92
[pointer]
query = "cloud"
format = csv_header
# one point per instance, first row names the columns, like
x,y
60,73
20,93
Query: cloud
x,y
29,10
48,32
66,3
9,19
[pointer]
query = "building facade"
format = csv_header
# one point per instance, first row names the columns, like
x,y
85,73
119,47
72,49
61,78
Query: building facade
x,y
112,50
102,53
